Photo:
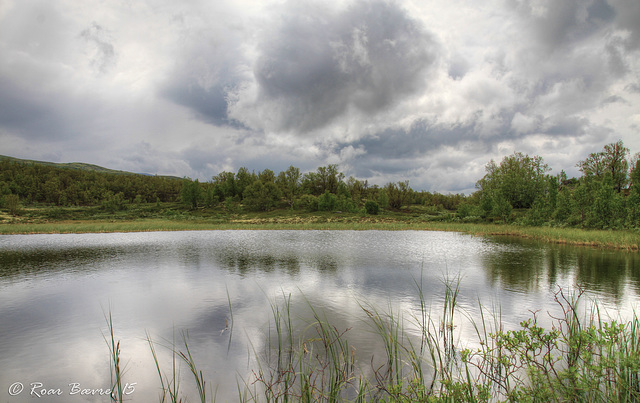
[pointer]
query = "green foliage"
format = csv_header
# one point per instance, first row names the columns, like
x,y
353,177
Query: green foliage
x,y
324,179
51,184
327,202
372,207
12,204
501,207
563,210
289,183
383,199
225,185
520,179
243,179
611,160
633,209
261,196
114,202
191,193
464,210
307,202
399,194
576,360
607,209
518,190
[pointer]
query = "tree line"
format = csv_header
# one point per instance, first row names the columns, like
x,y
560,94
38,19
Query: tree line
x,y
607,195
520,189
34,183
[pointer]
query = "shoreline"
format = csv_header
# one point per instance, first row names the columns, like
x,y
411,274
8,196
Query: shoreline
x,y
626,240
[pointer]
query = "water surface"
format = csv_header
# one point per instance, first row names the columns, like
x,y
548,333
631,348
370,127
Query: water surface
x,y
57,290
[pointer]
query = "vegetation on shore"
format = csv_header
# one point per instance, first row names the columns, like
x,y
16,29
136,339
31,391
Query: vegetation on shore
x,y
515,197
177,217
582,355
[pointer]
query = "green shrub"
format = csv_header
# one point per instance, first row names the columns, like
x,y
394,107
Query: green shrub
x,y
372,207
327,202
12,203
113,203
307,202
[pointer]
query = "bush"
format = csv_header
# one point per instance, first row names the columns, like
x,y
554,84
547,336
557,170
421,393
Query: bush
x,y
113,203
372,207
327,202
12,203
307,202
464,210
346,204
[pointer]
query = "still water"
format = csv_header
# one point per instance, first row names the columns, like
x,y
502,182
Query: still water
x,y
218,290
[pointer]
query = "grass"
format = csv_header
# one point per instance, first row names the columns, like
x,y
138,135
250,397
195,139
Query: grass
x,y
175,217
618,239
581,356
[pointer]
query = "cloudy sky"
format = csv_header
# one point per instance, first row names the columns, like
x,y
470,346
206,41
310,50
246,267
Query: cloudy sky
x,y
424,90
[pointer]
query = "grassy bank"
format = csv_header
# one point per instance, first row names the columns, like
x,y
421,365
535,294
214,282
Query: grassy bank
x,y
583,355
175,217
618,239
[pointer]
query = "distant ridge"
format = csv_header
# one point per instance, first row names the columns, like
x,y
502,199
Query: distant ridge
x,y
80,166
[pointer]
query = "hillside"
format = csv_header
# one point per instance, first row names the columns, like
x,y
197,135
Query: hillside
x,y
79,166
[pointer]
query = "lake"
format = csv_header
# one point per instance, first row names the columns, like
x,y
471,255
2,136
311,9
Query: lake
x,y
220,290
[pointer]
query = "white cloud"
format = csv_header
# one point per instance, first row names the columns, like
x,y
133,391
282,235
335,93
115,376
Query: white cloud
x,y
424,90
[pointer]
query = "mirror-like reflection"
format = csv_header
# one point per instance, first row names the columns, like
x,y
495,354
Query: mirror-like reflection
x,y
221,288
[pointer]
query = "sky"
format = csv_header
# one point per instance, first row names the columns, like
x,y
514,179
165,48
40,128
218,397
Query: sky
x,y
422,90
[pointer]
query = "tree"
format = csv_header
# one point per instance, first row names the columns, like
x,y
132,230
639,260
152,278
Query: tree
x,y
243,179
383,198
261,196
324,179
289,182
191,193
612,160
267,176
607,206
633,201
12,203
225,185
634,174
501,207
563,209
520,179
398,193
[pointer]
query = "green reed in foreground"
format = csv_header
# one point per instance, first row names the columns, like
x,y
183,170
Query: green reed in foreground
x,y
117,371
581,357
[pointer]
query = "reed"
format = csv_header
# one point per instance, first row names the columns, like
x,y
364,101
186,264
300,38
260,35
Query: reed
x,y
117,371
582,356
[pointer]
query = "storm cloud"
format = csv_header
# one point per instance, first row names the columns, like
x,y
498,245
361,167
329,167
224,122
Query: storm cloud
x,y
316,64
428,91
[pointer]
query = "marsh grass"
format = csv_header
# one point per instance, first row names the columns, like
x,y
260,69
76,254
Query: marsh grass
x,y
582,355
117,370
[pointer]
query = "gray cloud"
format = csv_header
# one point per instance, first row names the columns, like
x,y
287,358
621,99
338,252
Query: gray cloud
x,y
103,55
209,104
558,24
426,91
317,64
628,19
208,65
